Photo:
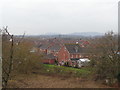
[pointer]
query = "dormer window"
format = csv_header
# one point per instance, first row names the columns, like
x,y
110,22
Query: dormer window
x,y
76,49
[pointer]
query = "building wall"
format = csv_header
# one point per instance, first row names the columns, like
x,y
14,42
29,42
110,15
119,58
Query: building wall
x,y
55,54
63,55
49,61
43,50
75,55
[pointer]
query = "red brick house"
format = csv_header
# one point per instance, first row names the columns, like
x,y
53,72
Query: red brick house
x,y
49,59
70,52
44,47
50,48
50,52
54,49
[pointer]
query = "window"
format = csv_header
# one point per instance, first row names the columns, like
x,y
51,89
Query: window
x,y
76,56
71,56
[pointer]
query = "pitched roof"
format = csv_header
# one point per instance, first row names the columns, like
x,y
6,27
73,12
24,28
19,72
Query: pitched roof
x,y
55,47
73,48
44,46
49,56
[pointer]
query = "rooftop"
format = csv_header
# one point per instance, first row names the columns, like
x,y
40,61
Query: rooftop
x,y
73,48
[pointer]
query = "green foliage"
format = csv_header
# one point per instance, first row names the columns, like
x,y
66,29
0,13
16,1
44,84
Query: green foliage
x,y
92,63
67,71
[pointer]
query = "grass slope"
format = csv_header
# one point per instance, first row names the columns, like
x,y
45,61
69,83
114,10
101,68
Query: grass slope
x,y
69,71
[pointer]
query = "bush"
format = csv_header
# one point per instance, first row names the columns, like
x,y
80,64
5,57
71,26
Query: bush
x,y
25,61
105,57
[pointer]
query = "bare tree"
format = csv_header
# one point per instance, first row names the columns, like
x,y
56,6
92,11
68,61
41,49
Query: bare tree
x,y
105,56
7,62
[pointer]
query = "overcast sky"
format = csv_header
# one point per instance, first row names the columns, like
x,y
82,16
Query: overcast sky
x,y
59,16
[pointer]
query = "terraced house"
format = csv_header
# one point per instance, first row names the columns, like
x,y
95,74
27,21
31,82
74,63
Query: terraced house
x,y
62,52
70,52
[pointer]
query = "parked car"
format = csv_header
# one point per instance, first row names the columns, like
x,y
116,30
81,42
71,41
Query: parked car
x,y
80,62
76,63
83,62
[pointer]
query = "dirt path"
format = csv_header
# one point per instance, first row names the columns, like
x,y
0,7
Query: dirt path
x,y
43,81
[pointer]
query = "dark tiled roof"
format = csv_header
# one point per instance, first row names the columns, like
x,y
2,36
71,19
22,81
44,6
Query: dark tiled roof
x,y
49,56
73,48
44,46
55,47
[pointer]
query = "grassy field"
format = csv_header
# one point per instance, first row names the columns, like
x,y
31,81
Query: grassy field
x,y
69,71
